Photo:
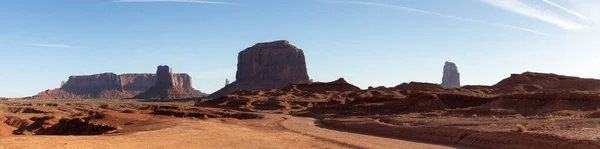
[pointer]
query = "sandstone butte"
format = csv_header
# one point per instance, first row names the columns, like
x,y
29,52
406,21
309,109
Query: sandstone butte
x,y
451,77
166,86
269,65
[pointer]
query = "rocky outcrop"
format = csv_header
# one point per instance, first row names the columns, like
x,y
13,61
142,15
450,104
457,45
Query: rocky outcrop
x,y
270,65
451,78
418,86
533,81
112,86
340,85
166,86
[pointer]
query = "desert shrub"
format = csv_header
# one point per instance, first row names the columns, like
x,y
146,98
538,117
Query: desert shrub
x,y
521,128
519,116
494,118
205,117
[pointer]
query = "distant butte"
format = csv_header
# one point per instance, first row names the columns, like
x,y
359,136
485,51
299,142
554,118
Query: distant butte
x,y
451,77
112,86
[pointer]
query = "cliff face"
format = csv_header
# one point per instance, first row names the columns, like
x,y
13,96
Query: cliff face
x,y
93,83
271,65
451,78
112,86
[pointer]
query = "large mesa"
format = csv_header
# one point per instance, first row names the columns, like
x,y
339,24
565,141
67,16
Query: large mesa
x,y
270,65
112,86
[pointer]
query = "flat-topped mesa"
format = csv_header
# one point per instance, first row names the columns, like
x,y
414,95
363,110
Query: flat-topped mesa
x,y
277,60
112,86
274,44
93,83
269,65
165,87
451,78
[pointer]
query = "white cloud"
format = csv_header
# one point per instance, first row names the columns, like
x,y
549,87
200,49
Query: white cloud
x,y
179,1
448,16
589,8
58,46
566,9
521,8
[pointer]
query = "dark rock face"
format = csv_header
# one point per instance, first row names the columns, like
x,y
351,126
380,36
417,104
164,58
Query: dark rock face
x,y
277,60
451,78
112,86
271,65
166,86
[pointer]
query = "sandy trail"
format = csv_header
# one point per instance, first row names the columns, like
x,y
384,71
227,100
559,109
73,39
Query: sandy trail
x,y
187,134
307,126
222,134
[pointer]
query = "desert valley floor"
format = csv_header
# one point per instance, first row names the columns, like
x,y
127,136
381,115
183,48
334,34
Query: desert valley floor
x,y
524,111
142,129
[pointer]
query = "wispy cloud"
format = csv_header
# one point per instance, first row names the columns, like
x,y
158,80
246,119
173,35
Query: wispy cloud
x,y
179,1
568,10
521,8
58,46
447,16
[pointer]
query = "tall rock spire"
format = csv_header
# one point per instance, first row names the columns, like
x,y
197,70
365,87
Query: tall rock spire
x,y
451,78
165,86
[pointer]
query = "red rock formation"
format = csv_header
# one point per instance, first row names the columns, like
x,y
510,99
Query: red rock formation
x,y
270,65
451,77
339,85
166,86
112,86
532,81
418,86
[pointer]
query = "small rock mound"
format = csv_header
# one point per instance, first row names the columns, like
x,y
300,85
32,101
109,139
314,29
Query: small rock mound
x,y
418,86
340,85
532,81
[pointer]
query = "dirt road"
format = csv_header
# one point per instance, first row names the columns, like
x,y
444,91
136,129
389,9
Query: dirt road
x,y
307,126
222,134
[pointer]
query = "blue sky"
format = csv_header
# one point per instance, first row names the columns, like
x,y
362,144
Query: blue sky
x,y
368,42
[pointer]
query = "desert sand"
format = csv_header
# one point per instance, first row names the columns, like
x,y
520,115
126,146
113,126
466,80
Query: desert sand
x,y
155,131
